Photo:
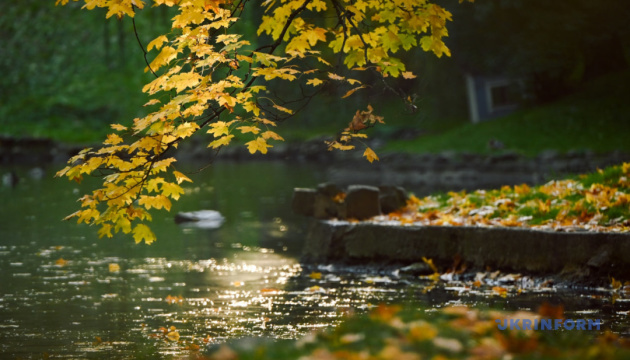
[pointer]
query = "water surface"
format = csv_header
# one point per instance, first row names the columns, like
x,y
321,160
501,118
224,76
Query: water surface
x,y
65,293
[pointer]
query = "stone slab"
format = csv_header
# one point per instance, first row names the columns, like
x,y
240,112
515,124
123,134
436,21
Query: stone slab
x,y
508,249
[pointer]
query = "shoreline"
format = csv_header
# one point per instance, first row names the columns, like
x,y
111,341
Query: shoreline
x,y
572,256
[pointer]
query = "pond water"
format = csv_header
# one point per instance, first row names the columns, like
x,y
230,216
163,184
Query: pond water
x,y
67,294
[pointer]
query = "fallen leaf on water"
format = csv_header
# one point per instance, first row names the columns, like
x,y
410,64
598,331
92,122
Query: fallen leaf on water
x,y
113,267
173,336
97,341
315,275
500,290
269,291
174,299
61,262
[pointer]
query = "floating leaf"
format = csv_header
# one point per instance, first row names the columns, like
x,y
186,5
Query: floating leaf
x,y
113,267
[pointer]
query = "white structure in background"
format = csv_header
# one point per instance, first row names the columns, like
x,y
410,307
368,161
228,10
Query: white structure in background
x,y
490,97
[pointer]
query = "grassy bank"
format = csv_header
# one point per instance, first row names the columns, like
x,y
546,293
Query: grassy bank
x,y
596,117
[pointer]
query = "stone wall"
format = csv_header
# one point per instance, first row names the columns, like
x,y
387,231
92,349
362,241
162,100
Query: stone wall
x,y
577,255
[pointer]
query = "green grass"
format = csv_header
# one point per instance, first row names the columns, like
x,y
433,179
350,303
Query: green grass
x,y
596,117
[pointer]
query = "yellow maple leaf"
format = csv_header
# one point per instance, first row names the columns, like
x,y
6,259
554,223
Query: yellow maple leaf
x,y
271,135
219,128
259,144
157,43
186,129
172,190
251,129
352,91
105,230
118,127
339,146
314,35
185,80
224,140
408,75
370,155
314,82
335,76
283,109
179,177
142,232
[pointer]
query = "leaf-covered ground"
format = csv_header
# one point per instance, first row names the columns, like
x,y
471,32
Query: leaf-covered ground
x,y
456,332
599,201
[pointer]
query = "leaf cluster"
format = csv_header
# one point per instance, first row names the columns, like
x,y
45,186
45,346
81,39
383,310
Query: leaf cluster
x,y
594,202
210,77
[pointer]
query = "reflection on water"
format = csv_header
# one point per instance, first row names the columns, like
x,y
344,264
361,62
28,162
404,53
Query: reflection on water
x,y
68,294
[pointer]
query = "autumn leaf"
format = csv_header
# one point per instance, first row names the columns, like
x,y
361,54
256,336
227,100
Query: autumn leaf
x,y
157,42
118,127
179,177
142,232
259,144
271,135
370,155
113,267
352,91
314,82
408,75
61,262
283,109
222,141
247,129
219,128
173,335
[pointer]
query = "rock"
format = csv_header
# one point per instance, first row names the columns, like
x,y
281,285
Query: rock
x,y
392,198
328,189
419,268
325,207
303,202
362,202
206,219
36,173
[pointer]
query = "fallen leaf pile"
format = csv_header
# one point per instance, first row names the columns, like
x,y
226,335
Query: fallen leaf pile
x,y
595,202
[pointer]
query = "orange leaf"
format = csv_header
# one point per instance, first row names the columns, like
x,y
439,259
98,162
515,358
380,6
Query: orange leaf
x,y
370,155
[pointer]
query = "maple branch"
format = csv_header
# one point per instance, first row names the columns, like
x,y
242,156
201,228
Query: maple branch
x,y
144,52
277,43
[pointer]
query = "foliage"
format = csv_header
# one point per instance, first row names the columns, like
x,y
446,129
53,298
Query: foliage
x,y
594,202
454,332
66,73
210,76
